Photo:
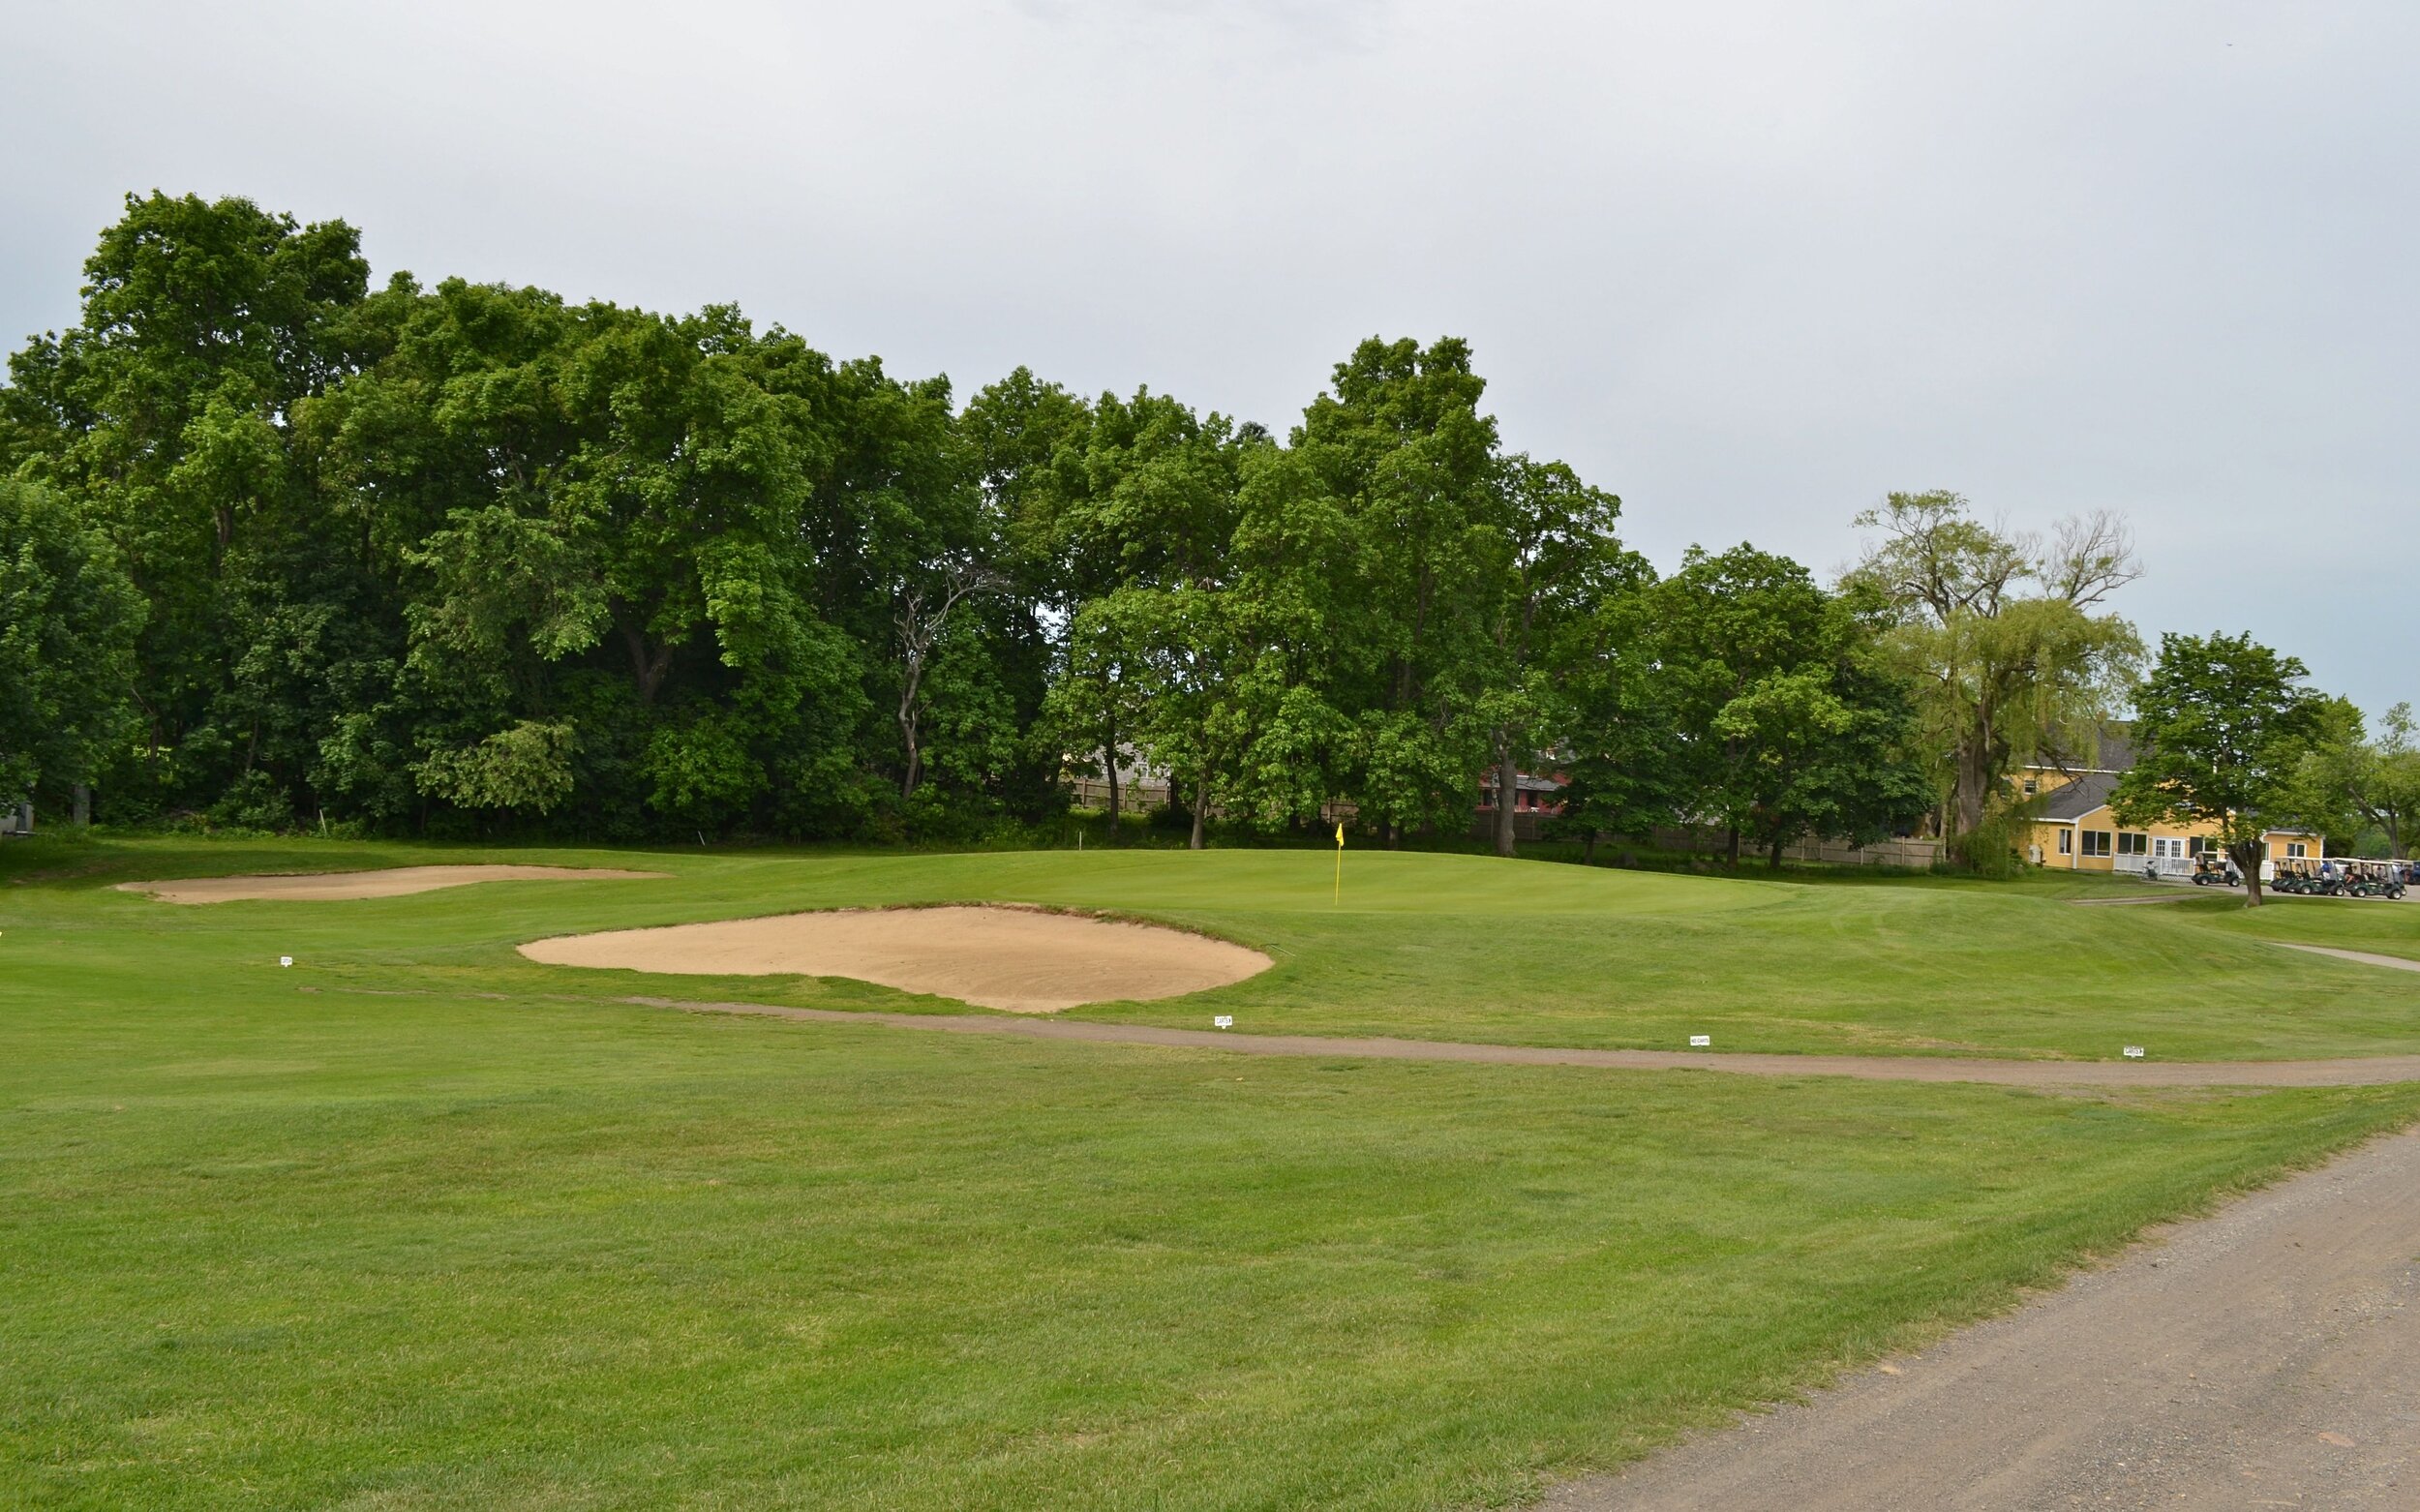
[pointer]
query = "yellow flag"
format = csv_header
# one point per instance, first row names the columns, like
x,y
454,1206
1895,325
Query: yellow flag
x,y
1340,834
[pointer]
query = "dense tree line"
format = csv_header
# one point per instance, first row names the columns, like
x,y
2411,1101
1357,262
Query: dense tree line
x,y
464,559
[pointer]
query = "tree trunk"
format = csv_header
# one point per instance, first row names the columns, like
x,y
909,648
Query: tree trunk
x,y
1731,847
647,667
1111,753
80,810
1776,860
1971,796
907,735
2247,858
1587,852
1202,810
1507,795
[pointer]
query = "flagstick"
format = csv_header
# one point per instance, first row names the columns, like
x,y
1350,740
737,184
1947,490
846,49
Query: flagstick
x,y
1337,899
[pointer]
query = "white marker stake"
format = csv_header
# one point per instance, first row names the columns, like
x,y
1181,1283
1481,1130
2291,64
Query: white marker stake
x,y
1700,1042
286,960
2134,1052
1224,1021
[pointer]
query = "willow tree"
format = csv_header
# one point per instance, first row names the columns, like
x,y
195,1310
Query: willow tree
x,y
2002,638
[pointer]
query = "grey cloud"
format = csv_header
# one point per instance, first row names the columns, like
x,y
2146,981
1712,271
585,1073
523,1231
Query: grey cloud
x,y
1751,264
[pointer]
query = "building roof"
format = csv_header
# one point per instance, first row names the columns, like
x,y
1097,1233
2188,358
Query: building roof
x,y
2069,803
2112,751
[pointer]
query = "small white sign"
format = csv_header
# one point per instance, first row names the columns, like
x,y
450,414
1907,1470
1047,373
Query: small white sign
x,y
1699,1042
1224,1021
2134,1052
286,960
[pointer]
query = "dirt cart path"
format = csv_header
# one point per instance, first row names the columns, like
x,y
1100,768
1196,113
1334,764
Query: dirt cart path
x,y
2351,1072
2267,1357
2364,957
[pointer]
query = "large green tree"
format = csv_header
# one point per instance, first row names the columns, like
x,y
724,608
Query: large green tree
x,y
2349,778
2220,728
166,414
1398,453
1783,724
456,557
1141,508
595,515
1617,740
68,623
1556,561
1406,599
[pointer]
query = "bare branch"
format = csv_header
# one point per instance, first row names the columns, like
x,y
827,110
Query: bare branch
x,y
1934,553
952,580
2091,556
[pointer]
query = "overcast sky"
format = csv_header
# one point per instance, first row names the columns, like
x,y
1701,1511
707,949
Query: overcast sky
x,y
1751,265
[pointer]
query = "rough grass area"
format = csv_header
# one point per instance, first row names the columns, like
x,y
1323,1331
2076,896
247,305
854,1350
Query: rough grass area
x,y
349,1235
1426,946
272,1249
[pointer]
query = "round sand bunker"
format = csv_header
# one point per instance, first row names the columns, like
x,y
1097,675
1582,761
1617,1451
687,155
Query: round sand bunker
x,y
320,887
1022,960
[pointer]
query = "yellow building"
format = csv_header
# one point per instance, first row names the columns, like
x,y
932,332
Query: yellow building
x,y
2076,831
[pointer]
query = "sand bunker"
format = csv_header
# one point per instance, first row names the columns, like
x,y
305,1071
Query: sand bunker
x,y
1019,959
337,886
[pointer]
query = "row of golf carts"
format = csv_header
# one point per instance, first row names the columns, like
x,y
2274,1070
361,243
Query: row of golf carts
x,y
2327,877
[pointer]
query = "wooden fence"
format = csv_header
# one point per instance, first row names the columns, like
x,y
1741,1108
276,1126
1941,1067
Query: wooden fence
x,y
1133,797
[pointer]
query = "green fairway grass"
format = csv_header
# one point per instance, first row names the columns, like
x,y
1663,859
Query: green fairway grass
x,y
268,1250
2371,925
1422,946
413,1224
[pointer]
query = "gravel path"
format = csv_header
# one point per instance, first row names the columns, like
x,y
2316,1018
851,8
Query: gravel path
x,y
2266,1357
2350,1071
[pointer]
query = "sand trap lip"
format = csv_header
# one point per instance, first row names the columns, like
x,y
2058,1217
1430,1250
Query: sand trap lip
x,y
320,887
1022,960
